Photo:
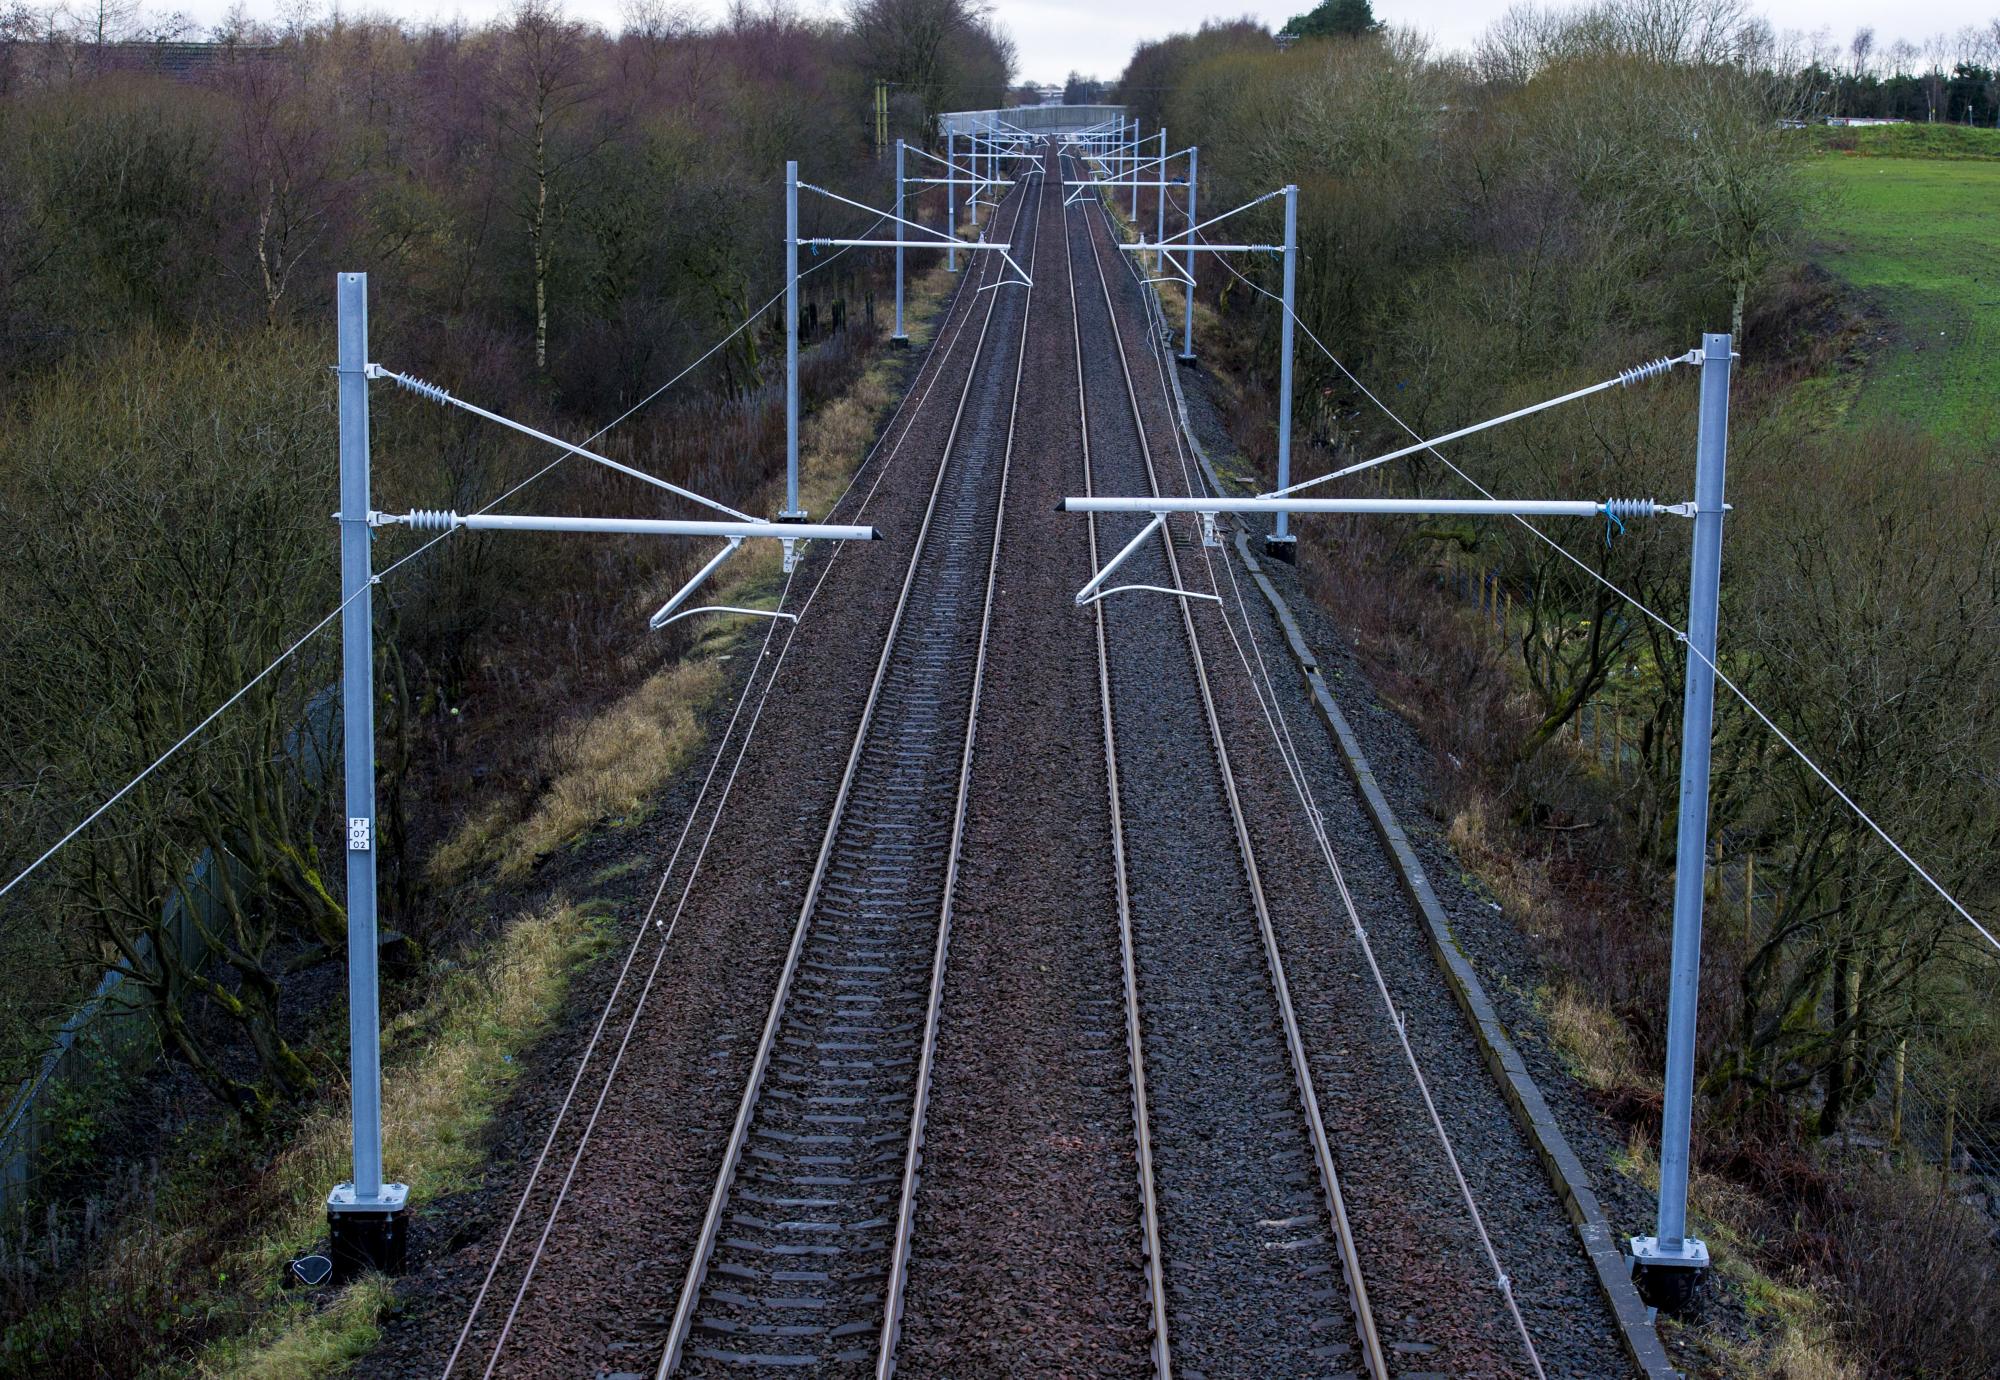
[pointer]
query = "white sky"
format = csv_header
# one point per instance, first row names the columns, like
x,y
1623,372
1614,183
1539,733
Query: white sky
x,y
1056,37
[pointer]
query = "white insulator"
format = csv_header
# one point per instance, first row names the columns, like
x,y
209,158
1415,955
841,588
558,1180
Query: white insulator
x,y
422,389
434,520
1622,508
1642,372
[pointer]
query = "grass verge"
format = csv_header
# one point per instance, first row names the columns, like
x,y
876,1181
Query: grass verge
x,y
190,1279
457,1061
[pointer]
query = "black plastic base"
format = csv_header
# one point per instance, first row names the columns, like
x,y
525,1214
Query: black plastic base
x,y
1669,1288
1187,361
364,1241
1284,549
899,342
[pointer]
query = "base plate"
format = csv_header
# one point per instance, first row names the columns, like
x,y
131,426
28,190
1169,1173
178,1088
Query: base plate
x,y
1667,1280
367,1234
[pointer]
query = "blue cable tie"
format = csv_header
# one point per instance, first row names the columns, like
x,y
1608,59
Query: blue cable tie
x,y
1610,518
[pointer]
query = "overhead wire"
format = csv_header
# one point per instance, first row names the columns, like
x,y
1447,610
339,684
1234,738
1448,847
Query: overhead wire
x,y
1265,690
650,921
1679,634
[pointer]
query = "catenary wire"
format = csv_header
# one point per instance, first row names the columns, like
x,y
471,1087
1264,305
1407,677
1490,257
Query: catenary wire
x,y
1265,690
669,929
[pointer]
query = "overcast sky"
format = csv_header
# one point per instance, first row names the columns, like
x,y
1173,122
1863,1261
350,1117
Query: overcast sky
x,y
1056,37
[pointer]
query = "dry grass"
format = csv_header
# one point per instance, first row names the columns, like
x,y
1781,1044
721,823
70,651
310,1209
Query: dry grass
x,y
608,767
1593,1042
316,1343
1519,882
447,1065
1806,1351
473,843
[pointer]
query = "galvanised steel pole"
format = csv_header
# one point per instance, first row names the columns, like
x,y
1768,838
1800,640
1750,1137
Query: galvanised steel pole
x,y
1187,320
1281,541
1160,208
365,1215
792,509
1672,1261
357,647
899,337
1132,162
951,199
972,180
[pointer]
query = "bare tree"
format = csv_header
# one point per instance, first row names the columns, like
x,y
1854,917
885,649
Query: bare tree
x,y
284,159
1860,51
1936,83
548,80
926,47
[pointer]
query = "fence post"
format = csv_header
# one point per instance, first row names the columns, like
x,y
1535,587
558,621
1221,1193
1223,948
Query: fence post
x,y
1896,1092
367,1219
1670,1263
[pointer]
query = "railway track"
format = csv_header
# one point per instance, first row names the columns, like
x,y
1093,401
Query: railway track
x,y
802,1253
1244,1216
1129,1169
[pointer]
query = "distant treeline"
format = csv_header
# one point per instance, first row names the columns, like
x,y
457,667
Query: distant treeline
x,y
1949,78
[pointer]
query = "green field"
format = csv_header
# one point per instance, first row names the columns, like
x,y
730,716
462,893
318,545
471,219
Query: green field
x,y
1919,236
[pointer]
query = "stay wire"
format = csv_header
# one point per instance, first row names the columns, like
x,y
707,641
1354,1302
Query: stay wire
x,y
1679,634
377,578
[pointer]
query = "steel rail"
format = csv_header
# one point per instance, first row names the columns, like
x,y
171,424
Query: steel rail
x,y
1364,1318
913,1157
691,1289
1135,1049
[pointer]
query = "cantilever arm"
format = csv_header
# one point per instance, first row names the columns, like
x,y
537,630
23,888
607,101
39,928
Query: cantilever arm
x,y
666,614
1147,589
726,608
1083,595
